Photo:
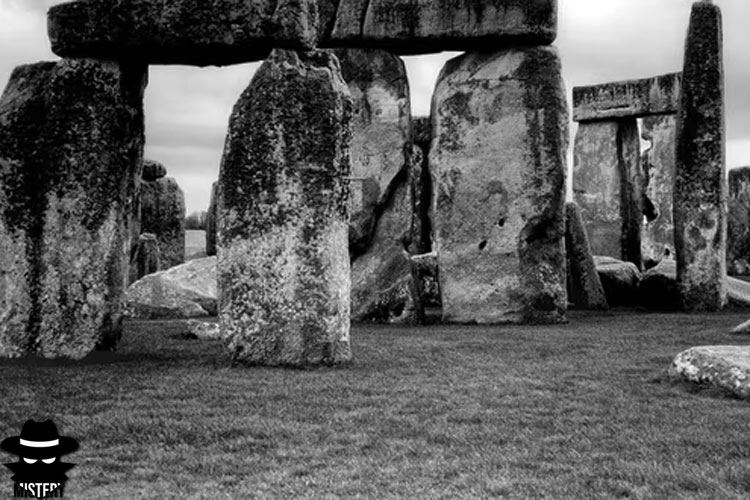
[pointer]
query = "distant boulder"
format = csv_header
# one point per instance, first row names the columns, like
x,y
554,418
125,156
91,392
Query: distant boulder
x,y
620,280
184,291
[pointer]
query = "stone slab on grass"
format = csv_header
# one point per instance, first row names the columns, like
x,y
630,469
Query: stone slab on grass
x,y
723,367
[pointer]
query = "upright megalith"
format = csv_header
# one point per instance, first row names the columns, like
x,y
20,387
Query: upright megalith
x,y
738,221
585,287
163,214
211,220
700,189
380,211
607,186
381,136
71,146
658,172
283,260
195,32
498,165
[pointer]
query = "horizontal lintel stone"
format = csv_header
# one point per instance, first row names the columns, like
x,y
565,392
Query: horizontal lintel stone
x,y
659,95
192,32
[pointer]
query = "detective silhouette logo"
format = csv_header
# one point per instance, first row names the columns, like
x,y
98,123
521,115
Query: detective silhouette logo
x,y
39,473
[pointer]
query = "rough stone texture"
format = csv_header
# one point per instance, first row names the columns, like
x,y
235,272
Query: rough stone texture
x,y
204,330
585,289
421,186
738,292
146,259
424,26
211,220
657,95
71,146
382,277
619,280
658,171
658,287
700,192
723,367
184,291
153,170
163,214
738,221
194,32
607,186
283,215
498,166
381,136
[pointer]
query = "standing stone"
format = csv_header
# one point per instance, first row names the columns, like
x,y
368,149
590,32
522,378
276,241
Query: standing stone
x,y
585,287
71,146
700,192
381,142
658,169
607,186
146,255
738,221
153,170
163,214
283,263
498,165
421,191
211,222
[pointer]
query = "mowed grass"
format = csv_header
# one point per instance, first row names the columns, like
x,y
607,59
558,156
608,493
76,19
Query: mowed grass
x,y
582,410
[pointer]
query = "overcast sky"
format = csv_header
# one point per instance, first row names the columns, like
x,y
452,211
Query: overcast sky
x,y
187,109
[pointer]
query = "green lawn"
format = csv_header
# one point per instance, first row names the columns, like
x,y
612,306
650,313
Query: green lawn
x,y
582,410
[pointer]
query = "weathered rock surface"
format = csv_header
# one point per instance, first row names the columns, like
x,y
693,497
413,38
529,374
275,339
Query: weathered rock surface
x,y
607,186
658,95
184,291
724,367
71,146
421,186
738,221
498,166
658,287
283,245
146,258
163,214
193,32
423,26
658,172
204,330
700,193
382,287
212,220
585,289
738,292
153,170
381,136
619,280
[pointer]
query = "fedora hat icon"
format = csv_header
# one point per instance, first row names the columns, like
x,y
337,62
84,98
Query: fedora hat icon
x,y
39,440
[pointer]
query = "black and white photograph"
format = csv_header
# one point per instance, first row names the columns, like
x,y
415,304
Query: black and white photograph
x,y
375,249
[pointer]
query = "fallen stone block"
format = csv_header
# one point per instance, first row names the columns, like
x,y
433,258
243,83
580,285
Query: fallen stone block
x,y
184,291
723,367
659,95
738,292
425,26
192,32
657,288
499,184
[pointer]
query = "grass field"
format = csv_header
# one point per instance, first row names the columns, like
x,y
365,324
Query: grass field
x,y
582,410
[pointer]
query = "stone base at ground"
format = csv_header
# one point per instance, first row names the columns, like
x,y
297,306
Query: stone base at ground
x,y
658,287
184,291
723,367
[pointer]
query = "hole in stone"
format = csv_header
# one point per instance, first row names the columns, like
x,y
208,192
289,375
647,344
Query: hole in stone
x,y
501,222
483,244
